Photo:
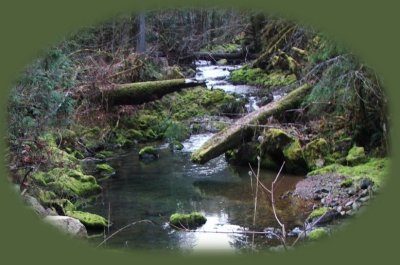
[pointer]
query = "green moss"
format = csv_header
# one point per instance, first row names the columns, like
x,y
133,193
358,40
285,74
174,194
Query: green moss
x,y
346,183
256,76
69,182
104,154
317,234
293,151
78,154
90,220
92,138
276,139
376,169
192,220
294,158
105,168
222,62
314,150
148,150
121,138
176,145
222,48
133,134
318,212
176,131
356,155
46,197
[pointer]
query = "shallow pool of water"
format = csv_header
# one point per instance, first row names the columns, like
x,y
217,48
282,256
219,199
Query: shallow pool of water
x,y
154,190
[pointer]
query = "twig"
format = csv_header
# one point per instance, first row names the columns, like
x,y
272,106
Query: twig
x,y
119,230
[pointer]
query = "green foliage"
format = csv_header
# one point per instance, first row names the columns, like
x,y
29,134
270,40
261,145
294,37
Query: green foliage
x,y
322,49
222,48
346,183
176,131
41,98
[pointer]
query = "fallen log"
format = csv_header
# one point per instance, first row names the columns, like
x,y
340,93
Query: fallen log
x,y
141,92
243,128
222,55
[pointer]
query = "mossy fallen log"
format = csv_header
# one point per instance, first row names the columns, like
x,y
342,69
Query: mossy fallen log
x,y
229,56
141,92
243,128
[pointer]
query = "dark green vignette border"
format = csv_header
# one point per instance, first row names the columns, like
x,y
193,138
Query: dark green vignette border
x,y
368,28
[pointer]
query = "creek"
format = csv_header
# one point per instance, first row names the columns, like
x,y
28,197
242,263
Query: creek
x,y
153,190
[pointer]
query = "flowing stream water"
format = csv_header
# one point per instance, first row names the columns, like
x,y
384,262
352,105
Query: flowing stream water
x,y
154,190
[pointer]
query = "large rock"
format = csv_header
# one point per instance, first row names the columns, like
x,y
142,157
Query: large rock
x,y
36,206
315,153
356,155
67,225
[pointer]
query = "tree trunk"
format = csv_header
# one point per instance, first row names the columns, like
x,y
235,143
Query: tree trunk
x,y
141,40
141,92
244,127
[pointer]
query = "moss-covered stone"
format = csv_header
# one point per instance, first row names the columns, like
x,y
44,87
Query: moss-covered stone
x,y
192,220
89,220
356,155
294,158
176,145
148,152
318,212
376,169
276,140
67,182
105,169
317,234
314,152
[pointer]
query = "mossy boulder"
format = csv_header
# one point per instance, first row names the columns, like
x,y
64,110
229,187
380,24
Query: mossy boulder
x,y
294,158
148,152
89,220
317,234
356,155
187,221
105,170
278,145
67,182
315,153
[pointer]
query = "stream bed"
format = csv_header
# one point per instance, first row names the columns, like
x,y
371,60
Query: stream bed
x,y
153,190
